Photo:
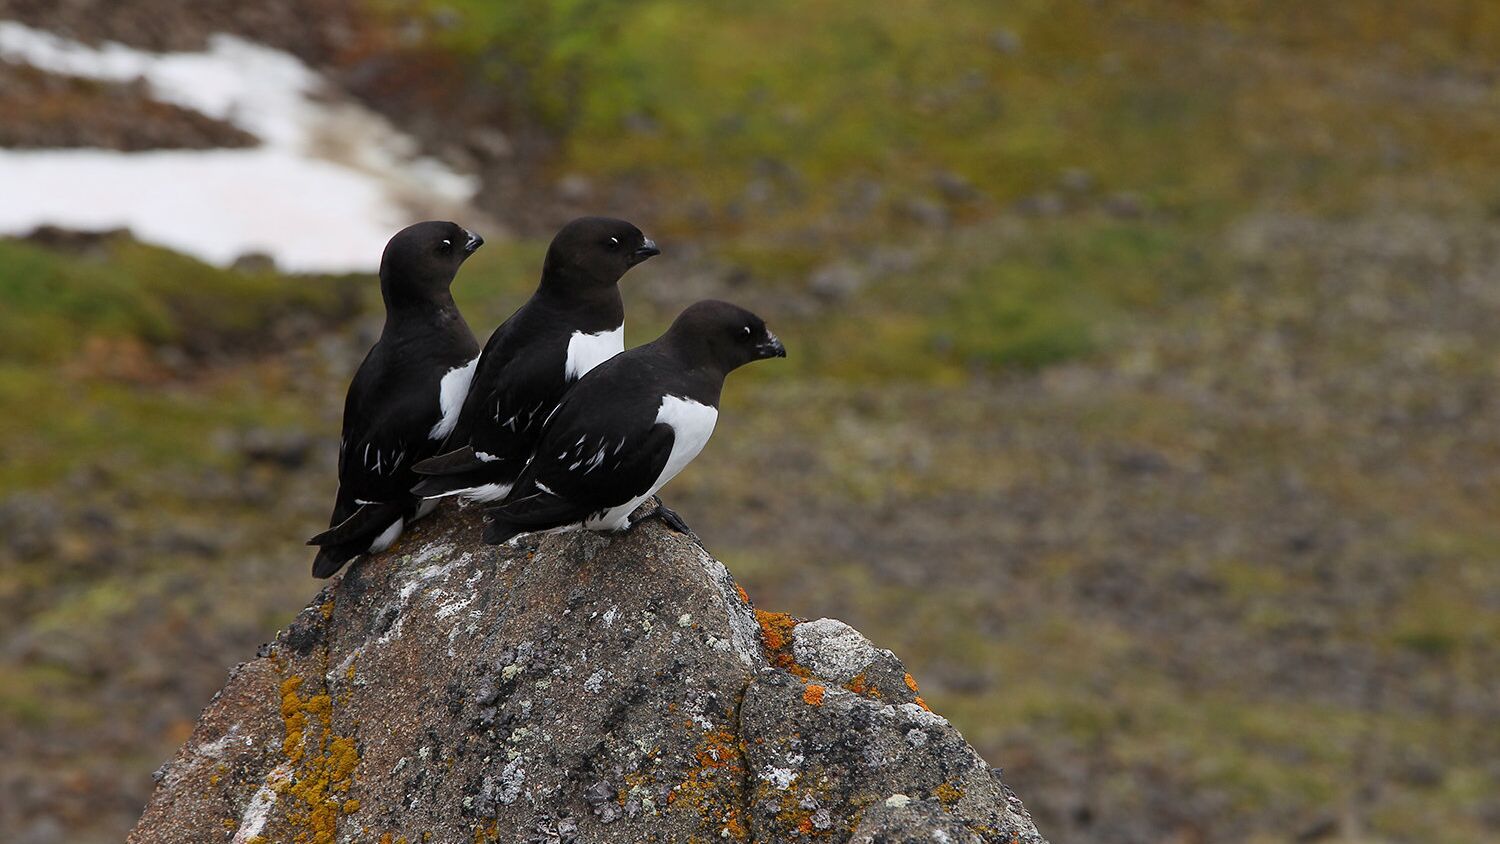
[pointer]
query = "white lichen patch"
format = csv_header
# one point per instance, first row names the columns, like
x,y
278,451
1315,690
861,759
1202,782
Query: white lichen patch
x,y
744,632
215,749
832,649
922,717
254,818
781,778
595,682
915,737
896,801
511,780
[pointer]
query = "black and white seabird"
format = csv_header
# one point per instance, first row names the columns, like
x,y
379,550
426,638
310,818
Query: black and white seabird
x,y
406,395
631,425
574,322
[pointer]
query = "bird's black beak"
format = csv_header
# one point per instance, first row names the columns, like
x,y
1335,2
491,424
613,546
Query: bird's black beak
x,y
474,242
770,347
647,250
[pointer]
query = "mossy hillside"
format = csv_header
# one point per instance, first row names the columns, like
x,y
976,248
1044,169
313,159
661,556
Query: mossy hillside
x,y
102,353
1197,106
122,289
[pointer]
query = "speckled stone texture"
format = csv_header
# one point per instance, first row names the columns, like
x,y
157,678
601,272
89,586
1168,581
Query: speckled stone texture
x,y
575,688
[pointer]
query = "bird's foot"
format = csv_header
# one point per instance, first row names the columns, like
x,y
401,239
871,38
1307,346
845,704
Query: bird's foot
x,y
670,518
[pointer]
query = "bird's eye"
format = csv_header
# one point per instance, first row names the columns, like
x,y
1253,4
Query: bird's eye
x,y
613,242
447,246
746,331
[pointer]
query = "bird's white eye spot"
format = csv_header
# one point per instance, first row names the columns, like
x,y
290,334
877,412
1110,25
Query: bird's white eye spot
x,y
747,331
615,241
447,242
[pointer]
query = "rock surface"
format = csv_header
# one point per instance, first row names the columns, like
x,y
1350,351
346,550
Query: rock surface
x,y
574,688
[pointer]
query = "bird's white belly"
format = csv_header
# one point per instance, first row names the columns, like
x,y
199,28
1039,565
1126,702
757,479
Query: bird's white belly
x,y
586,351
692,424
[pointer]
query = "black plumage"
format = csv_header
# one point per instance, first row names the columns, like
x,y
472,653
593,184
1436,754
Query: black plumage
x,y
573,322
405,395
631,425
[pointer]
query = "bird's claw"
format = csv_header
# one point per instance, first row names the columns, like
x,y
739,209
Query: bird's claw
x,y
670,518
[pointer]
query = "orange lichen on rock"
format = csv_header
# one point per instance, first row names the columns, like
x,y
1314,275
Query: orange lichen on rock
x,y
922,703
861,685
712,787
813,695
776,632
744,596
732,826
911,683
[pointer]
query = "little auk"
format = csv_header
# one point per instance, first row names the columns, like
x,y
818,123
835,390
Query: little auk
x,y
406,394
573,322
631,425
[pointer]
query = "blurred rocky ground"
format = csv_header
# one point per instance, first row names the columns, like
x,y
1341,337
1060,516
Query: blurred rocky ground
x,y
1141,392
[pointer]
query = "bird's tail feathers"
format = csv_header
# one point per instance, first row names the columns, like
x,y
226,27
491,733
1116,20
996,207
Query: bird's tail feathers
x,y
368,522
497,532
331,558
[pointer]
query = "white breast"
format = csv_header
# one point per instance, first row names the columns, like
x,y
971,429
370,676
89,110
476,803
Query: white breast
x,y
451,394
692,424
586,351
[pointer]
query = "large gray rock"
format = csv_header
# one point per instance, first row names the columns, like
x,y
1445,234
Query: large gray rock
x,y
576,688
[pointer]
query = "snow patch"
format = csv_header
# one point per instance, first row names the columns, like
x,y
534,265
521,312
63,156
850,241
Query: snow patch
x,y
330,182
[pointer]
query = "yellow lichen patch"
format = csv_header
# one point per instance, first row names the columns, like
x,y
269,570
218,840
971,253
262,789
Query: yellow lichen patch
x,y
324,765
776,632
947,794
813,695
326,608
294,717
911,683
487,833
351,806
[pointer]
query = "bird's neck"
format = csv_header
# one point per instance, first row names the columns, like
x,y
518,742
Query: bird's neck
x,y
698,380
599,304
406,310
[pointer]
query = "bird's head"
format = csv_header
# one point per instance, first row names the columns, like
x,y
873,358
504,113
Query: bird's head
x,y
596,251
724,335
423,258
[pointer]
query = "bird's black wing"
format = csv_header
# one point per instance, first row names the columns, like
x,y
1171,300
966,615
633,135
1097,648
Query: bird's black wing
x,y
516,386
594,454
385,431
